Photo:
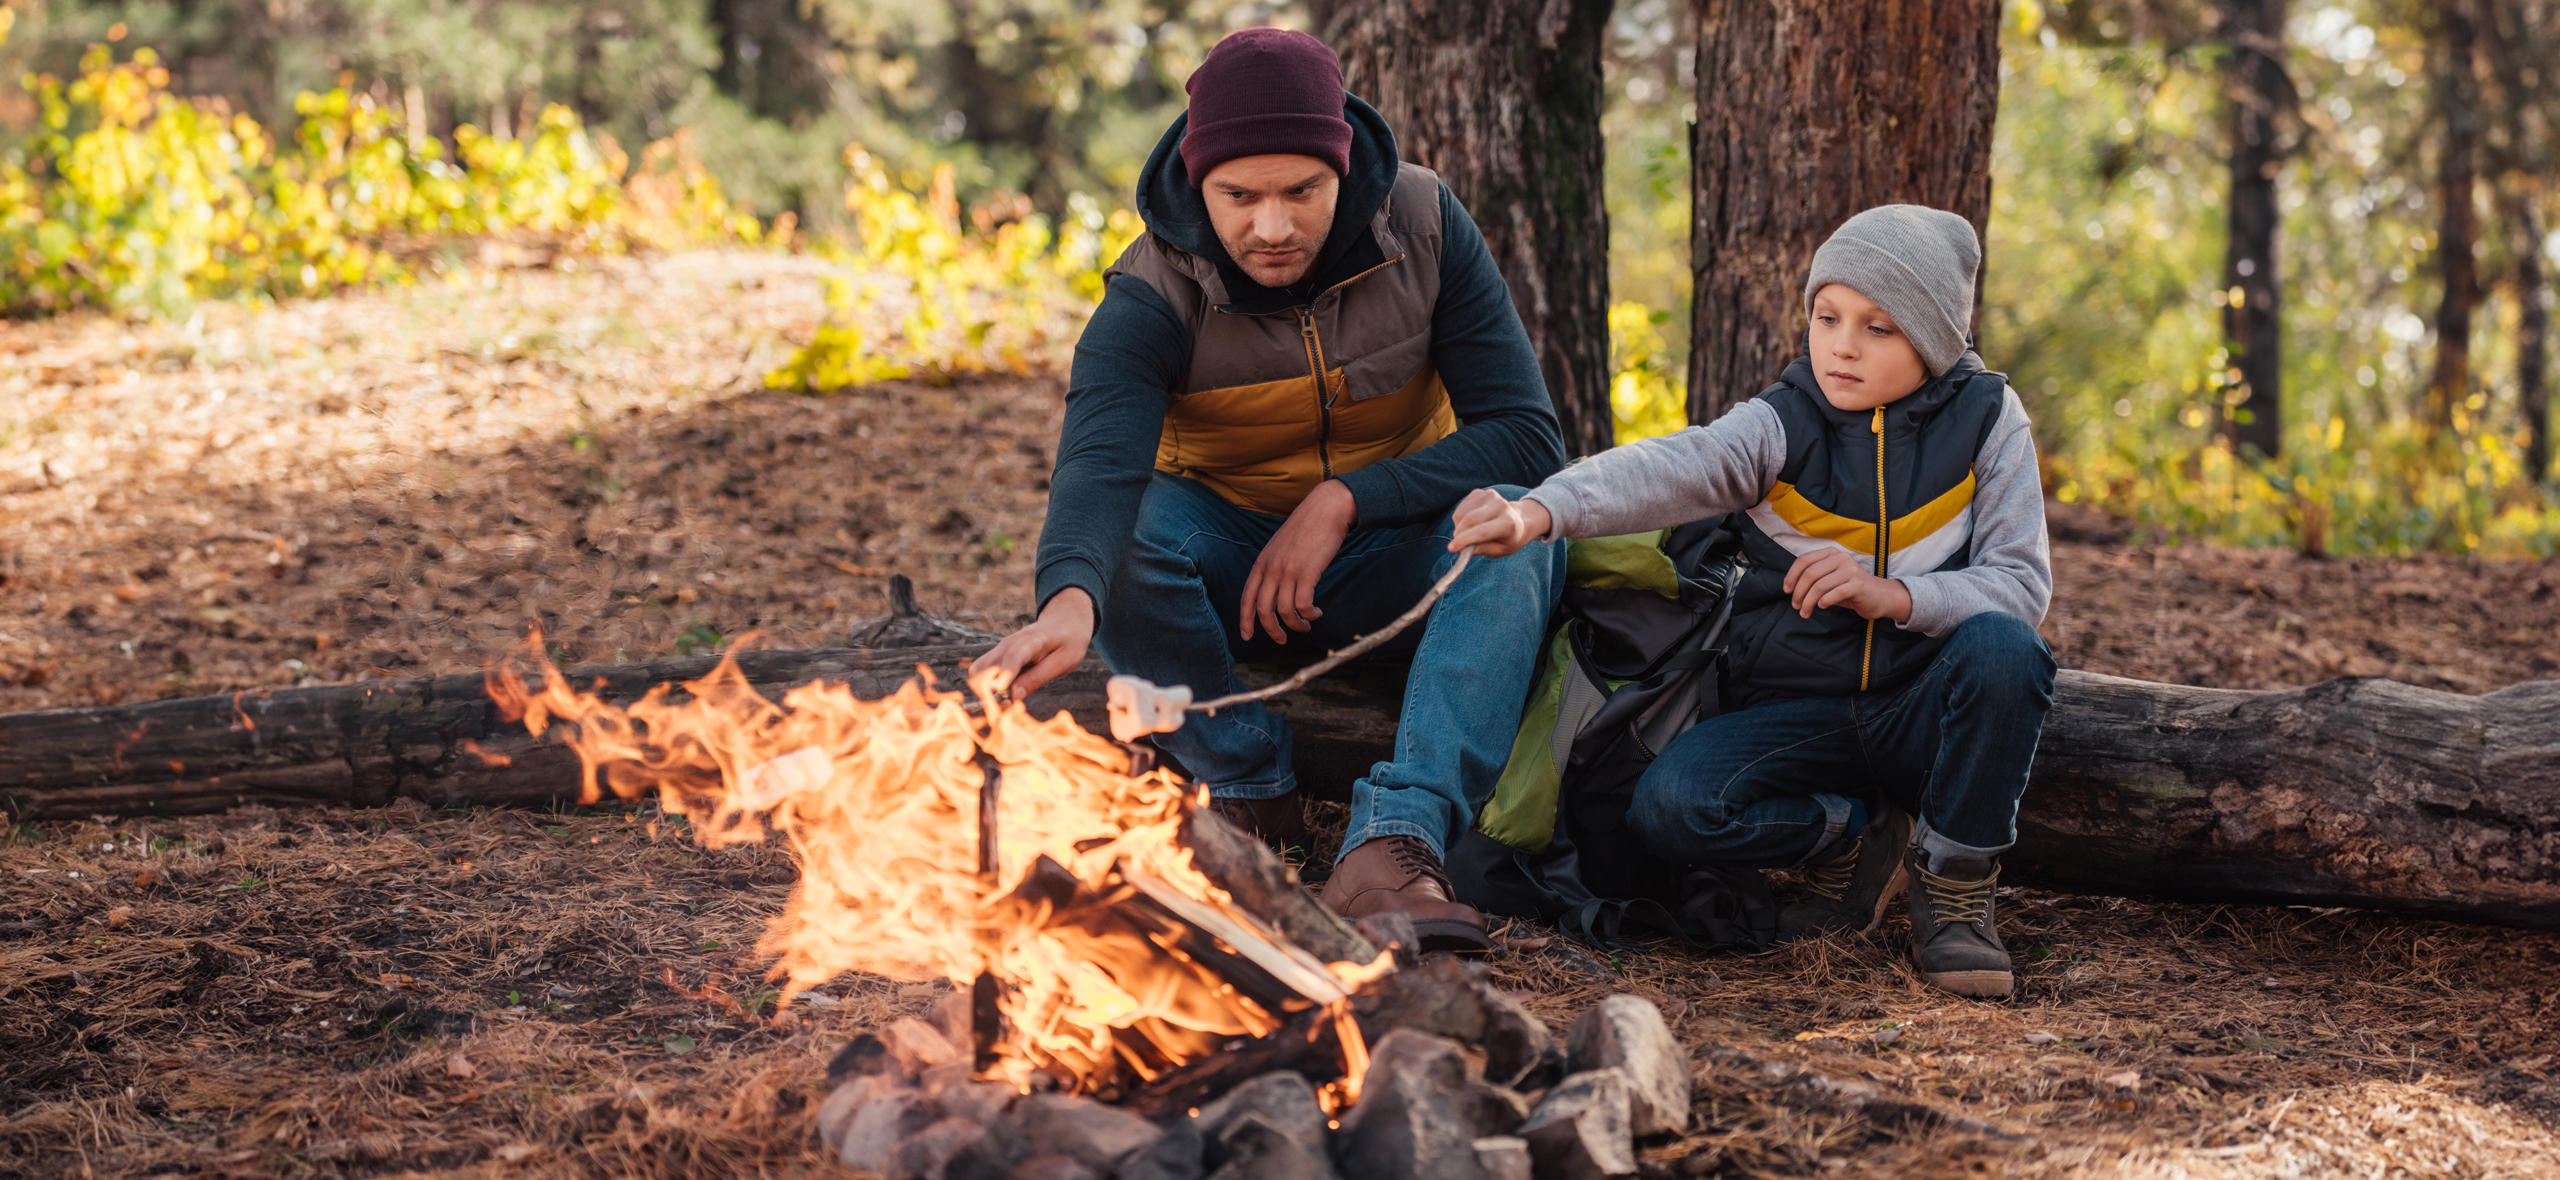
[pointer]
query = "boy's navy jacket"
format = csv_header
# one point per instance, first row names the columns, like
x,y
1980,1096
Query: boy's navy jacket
x,y
1938,490
1399,368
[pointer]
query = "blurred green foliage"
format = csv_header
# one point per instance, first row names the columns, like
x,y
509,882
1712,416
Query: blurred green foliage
x,y
926,293
353,134
2103,300
131,196
1044,97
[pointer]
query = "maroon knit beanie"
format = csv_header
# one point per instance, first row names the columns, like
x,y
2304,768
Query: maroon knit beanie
x,y
1266,92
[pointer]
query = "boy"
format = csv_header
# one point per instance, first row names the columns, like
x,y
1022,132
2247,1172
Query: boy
x,y
1885,663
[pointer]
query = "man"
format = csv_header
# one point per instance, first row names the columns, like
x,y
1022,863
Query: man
x,y
1293,377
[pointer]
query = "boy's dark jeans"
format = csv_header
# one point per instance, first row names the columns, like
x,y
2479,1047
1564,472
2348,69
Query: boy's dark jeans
x,y
1768,787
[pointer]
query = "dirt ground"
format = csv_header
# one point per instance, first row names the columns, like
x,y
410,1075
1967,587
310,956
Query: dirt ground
x,y
398,482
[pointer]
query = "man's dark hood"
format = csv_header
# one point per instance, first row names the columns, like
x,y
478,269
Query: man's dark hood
x,y
1174,210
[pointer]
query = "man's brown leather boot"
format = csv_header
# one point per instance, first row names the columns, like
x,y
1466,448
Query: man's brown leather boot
x,y
1400,874
1281,822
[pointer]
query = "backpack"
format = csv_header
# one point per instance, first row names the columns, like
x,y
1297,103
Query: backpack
x,y
1636,655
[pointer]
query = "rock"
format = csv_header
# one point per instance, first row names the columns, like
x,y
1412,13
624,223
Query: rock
x,y
955,1016
1514,1038
835,1115
870,1141
918,1046
1087,1131
1546,1073
1255,1149
1283,1100
1179,1155
1051,1167
925,1152
1406,1125
978,1102
906,1047
939,1078
1392,931
1435,997
1580,1130
992,1156
861,1057
1504,1157
1627,1032
1492,1110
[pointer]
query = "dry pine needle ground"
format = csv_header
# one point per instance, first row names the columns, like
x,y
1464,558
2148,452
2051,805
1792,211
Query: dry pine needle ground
x,y
400,482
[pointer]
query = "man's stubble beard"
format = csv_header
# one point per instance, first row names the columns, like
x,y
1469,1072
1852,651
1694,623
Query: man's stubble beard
x,y
1307,247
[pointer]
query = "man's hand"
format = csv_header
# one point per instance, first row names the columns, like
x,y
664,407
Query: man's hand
x,y
1832,578
1495,526
1039,653
1282,589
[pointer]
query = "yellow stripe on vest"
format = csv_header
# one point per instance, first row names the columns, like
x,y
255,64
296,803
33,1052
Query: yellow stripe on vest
x,y
1859,536
1264,447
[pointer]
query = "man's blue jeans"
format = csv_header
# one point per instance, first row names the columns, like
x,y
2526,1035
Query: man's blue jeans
x,y
1172,618
1769,787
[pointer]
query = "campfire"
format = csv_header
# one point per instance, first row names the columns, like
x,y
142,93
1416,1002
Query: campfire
x,y
1138,987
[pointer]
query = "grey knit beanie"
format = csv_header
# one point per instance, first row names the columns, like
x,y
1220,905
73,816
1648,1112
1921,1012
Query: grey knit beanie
x,y
1915,262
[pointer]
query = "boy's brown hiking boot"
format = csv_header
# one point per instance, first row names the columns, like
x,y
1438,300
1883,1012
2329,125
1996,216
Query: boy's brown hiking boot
x,y
1849,888
1951,927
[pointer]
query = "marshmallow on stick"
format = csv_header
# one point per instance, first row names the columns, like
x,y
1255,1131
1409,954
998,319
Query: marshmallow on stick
x,y
1140,707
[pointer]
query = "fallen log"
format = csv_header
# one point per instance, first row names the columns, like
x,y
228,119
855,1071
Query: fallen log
x,y
2356,792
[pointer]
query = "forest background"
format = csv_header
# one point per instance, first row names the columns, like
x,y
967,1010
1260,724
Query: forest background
x,y
967,161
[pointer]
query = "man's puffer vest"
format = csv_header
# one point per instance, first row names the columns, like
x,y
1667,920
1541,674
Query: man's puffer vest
x,y
1907,467
1274,404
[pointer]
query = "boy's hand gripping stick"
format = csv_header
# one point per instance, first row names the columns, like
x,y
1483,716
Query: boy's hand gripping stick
x,y
1139,708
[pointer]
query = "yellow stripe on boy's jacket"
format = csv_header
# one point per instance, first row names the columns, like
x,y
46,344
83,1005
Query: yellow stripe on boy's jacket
x,y
1929,534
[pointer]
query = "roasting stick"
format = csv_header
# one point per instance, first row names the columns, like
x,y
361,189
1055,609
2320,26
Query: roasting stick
x,y
1139,707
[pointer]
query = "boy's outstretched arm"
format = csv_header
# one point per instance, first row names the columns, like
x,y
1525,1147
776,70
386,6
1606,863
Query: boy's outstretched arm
x,y
2012,566
1723,466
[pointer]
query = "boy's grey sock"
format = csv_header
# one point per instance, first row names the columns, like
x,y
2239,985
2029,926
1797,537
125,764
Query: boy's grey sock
x,y
1916,263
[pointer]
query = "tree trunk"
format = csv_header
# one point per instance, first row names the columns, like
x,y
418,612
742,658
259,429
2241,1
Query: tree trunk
x,y
2355,792
1502,98
2252,323
1808,113
2457,94
773,57
2533,342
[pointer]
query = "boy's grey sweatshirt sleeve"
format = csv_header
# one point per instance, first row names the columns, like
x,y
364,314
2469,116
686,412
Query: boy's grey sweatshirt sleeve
x,y
2012,566
1723,466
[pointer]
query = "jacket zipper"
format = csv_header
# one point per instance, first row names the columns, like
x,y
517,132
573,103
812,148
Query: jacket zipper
x,y
1324,402
1884,546
1315,365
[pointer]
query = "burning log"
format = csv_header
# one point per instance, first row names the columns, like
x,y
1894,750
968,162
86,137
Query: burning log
x,y
2356,792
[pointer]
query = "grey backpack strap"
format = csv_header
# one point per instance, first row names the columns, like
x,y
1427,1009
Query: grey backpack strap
x,y
1582,701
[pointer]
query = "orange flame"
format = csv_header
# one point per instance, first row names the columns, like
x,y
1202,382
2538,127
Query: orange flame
x,y
1101,936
